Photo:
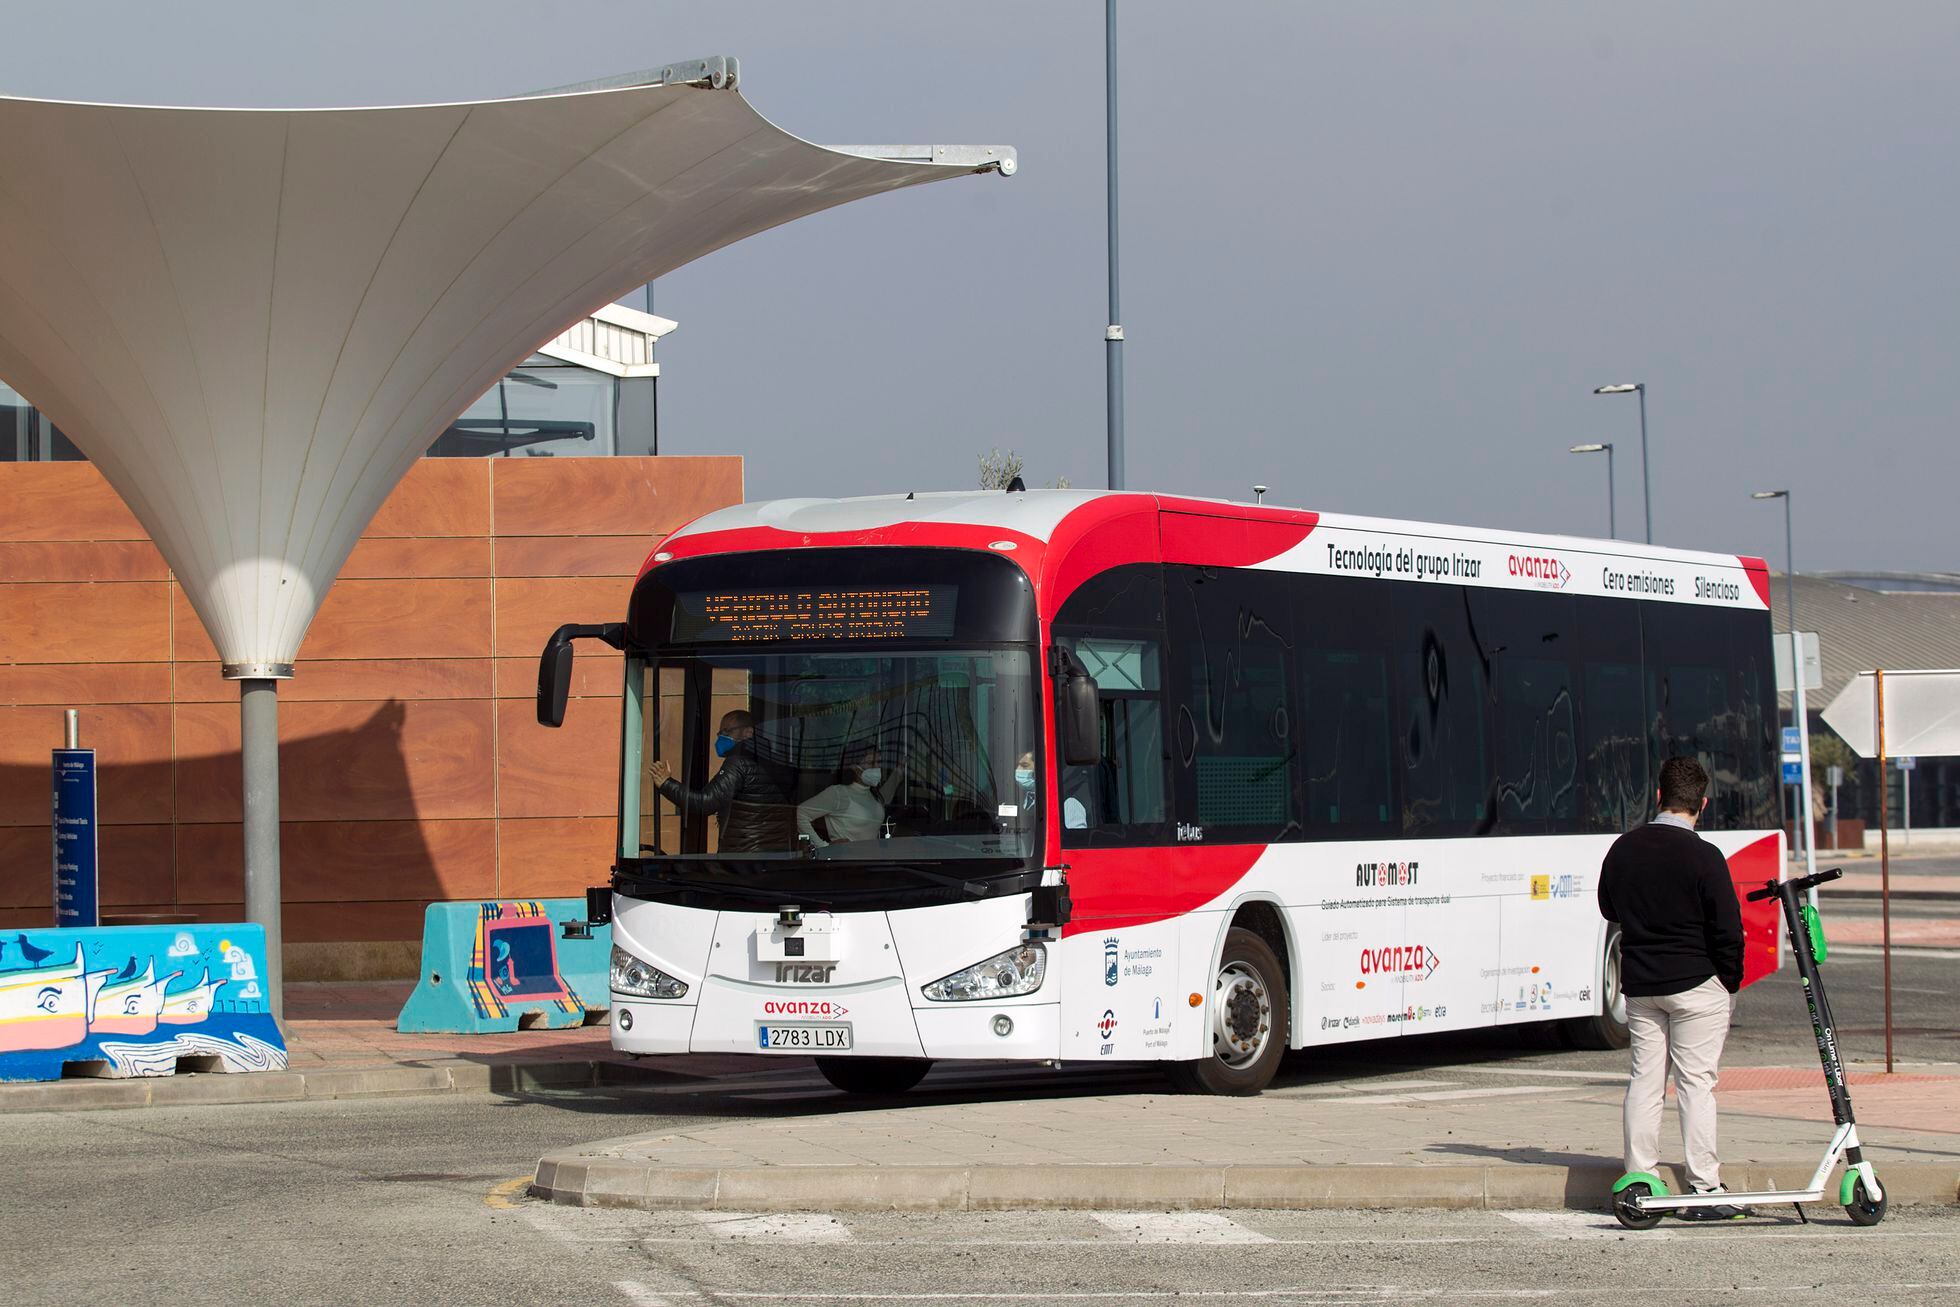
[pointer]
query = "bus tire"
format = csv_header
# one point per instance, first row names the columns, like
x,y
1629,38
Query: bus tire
x,y
1249,1021
1607,1030
874,1075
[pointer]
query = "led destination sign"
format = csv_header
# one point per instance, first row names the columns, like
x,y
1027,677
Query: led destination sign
x,y
816,613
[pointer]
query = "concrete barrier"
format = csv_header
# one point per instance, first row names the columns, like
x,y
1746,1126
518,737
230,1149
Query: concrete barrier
x,y
135,1001
494,967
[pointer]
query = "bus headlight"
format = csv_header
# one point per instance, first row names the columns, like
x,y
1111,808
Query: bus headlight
x,y
632,976
1019,970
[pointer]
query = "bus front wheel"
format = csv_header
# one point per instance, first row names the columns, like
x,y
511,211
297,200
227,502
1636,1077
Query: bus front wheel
x,y
874,1075
1608,1029
1248,1021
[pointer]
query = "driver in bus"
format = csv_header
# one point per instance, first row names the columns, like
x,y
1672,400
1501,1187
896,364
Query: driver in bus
x,y
750,803
852,810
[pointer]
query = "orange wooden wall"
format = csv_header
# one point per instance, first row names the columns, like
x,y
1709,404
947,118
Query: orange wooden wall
x,y
412,767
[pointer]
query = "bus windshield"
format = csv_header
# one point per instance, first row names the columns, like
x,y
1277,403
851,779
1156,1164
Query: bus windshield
x,y
832,756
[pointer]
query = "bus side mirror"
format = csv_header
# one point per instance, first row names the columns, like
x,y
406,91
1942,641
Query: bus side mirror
x,y
554,679
555,665
1081,715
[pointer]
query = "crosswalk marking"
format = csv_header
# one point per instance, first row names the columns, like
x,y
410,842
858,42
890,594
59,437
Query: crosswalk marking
x,y
1178,1227
777,1227
1577,1225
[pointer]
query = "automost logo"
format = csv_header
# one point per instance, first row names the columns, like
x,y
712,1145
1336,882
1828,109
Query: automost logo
x,y
1385,875
1544,570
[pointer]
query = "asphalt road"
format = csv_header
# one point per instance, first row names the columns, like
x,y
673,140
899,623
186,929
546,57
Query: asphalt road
x,y
413,1199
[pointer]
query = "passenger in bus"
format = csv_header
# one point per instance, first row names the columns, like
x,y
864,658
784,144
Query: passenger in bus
x,y
749,801
1074,815
1681,964
852,810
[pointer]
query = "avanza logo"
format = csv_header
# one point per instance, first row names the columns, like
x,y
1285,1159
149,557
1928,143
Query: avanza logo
x,y
1410,961
802,1008
1545,569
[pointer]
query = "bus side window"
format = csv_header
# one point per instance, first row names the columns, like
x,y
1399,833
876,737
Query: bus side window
x,y
1235,726
1120,798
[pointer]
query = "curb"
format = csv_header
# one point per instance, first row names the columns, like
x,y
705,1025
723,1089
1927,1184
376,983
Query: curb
x,y
222,1089
585,1180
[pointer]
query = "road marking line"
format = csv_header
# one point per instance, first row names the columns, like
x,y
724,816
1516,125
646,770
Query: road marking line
x,y
1898,950
504,1196
1177,1227
641,1296
777,1227
1619,1077
1576,1225
548,1220
1448,1095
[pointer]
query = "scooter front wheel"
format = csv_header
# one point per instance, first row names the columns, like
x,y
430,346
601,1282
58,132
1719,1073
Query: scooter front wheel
x,y
1863,1209
1631,1216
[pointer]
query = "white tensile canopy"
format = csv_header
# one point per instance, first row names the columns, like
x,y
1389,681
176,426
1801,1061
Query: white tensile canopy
x,y
253,321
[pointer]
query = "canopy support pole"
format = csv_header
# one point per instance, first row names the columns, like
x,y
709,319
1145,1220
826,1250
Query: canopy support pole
x,y
258,703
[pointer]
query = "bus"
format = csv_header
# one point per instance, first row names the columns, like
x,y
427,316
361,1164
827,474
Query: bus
x,y
1103,776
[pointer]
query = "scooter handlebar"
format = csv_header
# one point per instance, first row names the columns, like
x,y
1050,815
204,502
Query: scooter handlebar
x,y
1769,889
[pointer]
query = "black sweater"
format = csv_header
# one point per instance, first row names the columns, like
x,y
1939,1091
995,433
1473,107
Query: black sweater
x,y
1680,923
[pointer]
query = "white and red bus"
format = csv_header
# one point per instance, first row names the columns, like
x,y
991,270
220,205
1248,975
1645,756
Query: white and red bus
x,y
1151,778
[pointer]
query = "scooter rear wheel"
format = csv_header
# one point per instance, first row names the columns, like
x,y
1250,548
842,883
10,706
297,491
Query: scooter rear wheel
x,y
1863,1209
1633,1218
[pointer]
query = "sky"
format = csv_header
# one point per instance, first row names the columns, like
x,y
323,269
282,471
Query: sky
x,y
1374,256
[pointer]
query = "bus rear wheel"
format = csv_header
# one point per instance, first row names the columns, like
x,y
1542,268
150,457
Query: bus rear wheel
x,y
1608,1029
1249,1021
874,1075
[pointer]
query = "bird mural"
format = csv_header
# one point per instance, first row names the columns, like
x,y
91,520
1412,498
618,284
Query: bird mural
x,y
35,956
126,972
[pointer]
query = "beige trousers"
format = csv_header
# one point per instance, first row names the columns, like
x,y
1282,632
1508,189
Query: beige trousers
x,y
1684,1031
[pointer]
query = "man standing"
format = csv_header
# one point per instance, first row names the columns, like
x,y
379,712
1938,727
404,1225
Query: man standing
x,y
1680,963
748,800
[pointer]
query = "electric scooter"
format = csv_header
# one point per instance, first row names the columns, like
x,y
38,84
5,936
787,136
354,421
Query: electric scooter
x,y
1641,1199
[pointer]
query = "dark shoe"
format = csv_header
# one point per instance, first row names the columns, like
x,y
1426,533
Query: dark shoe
x,y
1719,1212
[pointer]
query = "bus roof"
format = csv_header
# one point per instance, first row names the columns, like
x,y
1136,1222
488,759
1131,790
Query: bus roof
x,y
1040,527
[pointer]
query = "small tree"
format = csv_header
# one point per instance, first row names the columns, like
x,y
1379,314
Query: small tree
x,y
998,470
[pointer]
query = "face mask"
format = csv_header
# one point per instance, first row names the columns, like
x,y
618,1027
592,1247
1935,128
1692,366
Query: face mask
x,y
724,745
1024,777
871,776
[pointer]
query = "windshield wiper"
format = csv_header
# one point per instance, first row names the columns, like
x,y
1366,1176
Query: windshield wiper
x,y
973,889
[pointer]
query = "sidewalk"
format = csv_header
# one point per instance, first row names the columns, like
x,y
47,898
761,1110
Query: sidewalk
x,y
341,1042
1541,1141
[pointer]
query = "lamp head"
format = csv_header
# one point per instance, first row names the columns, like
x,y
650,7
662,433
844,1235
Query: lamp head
x,y
1770,494
1589,449
1623,388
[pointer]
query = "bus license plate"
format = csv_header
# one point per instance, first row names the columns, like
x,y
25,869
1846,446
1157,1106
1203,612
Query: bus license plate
x,y
803,1037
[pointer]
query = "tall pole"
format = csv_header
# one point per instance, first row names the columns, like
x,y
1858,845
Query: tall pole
x,y
1113,333
1612,500
1801,708
258,706
1646,483
1884,858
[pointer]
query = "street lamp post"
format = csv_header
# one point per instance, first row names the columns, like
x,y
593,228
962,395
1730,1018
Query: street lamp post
x,y
1800,710
1646,483
1113,333
1612,511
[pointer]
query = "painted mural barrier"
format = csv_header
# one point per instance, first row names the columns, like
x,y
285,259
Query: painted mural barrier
x,y
494,967
135,1000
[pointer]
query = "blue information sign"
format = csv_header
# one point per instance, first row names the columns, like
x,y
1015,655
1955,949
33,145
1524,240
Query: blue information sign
x,y
1793,773
1791,744
75,899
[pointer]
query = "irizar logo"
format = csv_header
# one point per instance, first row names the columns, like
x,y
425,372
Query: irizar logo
x,y
1111,970
804,973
